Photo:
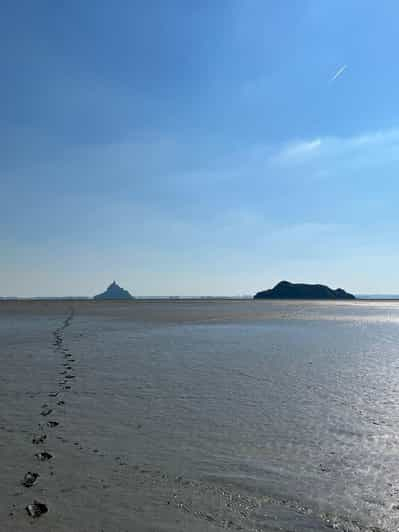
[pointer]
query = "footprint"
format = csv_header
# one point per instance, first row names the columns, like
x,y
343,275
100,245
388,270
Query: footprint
x,y
39,439
36,509
30,479
43,456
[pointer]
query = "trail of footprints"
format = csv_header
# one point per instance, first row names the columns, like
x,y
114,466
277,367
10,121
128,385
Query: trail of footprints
x,y
56,400
48,410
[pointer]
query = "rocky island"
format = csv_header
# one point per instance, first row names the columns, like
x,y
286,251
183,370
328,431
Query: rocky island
x,y
114,291
287,290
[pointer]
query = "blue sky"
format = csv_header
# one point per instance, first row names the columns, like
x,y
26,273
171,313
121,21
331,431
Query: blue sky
x,y
198,147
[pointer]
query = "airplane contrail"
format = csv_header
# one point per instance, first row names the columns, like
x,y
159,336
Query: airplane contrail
x,y
339,72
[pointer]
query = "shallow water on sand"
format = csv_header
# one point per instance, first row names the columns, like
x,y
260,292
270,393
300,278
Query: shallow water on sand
x,y
196,415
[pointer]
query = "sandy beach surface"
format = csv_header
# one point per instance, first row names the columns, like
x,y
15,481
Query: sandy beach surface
x,y
178,416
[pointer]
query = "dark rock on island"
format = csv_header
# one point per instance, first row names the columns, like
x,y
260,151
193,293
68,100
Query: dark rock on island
x,y
287,290
114,291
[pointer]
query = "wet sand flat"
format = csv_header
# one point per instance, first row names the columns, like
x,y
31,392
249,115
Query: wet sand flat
x,y
198,415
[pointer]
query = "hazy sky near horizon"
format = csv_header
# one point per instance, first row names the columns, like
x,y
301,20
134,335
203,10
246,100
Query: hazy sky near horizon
x,y
198,147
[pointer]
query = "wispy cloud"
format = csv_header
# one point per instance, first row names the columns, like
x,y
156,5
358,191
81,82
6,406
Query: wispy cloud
x,y
296,151
378,147
339,73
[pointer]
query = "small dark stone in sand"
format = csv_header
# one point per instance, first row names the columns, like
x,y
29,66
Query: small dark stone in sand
x,y
67,387
30,479
52,424
53,394
46,412
43,456
60,403
69,376
36,509
39,439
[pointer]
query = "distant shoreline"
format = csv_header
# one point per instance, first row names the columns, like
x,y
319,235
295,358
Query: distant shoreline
x,y
190,298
